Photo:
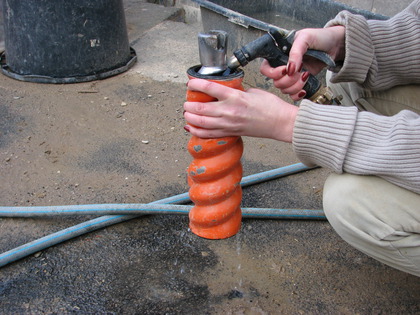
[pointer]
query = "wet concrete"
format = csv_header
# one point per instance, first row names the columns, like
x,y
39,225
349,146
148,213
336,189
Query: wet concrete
x,y
121,140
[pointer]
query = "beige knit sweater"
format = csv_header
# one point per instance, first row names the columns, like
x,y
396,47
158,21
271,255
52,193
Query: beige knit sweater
x,y
379,55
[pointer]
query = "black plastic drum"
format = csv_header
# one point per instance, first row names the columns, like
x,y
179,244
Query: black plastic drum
x,y
62,41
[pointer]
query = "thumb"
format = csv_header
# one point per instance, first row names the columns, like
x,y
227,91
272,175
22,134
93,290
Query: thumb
x,y
299,48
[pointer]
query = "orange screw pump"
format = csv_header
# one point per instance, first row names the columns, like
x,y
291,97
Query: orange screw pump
x,y
215,173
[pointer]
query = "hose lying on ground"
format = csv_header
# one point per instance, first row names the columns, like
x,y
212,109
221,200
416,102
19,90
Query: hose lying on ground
x,y
107,220
143,209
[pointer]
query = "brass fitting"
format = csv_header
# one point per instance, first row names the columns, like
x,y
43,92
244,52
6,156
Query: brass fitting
x,y
324,96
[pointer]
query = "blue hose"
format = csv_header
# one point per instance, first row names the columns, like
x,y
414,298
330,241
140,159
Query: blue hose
x,y
107,220
143,209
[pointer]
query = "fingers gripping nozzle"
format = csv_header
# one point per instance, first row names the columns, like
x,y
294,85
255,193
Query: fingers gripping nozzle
x,y
274,46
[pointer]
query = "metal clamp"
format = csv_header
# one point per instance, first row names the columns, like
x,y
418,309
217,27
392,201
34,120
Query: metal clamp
x,y
325,96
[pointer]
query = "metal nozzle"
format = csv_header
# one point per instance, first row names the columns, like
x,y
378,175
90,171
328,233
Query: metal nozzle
x,y
212,49
233,63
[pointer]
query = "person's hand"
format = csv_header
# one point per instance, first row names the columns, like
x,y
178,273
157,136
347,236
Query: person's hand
x,y
290,79
254,113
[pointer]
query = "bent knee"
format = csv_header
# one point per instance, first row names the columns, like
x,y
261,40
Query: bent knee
x,y
361,204
350,201
340,196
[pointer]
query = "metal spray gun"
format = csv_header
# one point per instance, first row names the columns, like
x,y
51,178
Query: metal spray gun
x,y
275,46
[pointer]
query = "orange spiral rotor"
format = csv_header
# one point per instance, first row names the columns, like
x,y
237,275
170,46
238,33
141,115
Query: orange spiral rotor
x,y
215,173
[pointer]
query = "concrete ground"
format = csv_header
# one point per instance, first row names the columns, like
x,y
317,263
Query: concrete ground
x,y
121,140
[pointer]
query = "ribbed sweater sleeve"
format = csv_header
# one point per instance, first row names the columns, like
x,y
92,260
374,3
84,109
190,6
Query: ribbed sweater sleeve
x,y
346,140
379,55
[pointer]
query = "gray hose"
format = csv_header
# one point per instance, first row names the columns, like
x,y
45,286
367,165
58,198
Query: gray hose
x,y
104,221
143,209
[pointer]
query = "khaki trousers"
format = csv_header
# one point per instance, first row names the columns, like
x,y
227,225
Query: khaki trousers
x,y
378,218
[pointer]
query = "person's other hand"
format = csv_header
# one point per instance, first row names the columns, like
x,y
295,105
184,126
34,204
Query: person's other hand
x,y
290,79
